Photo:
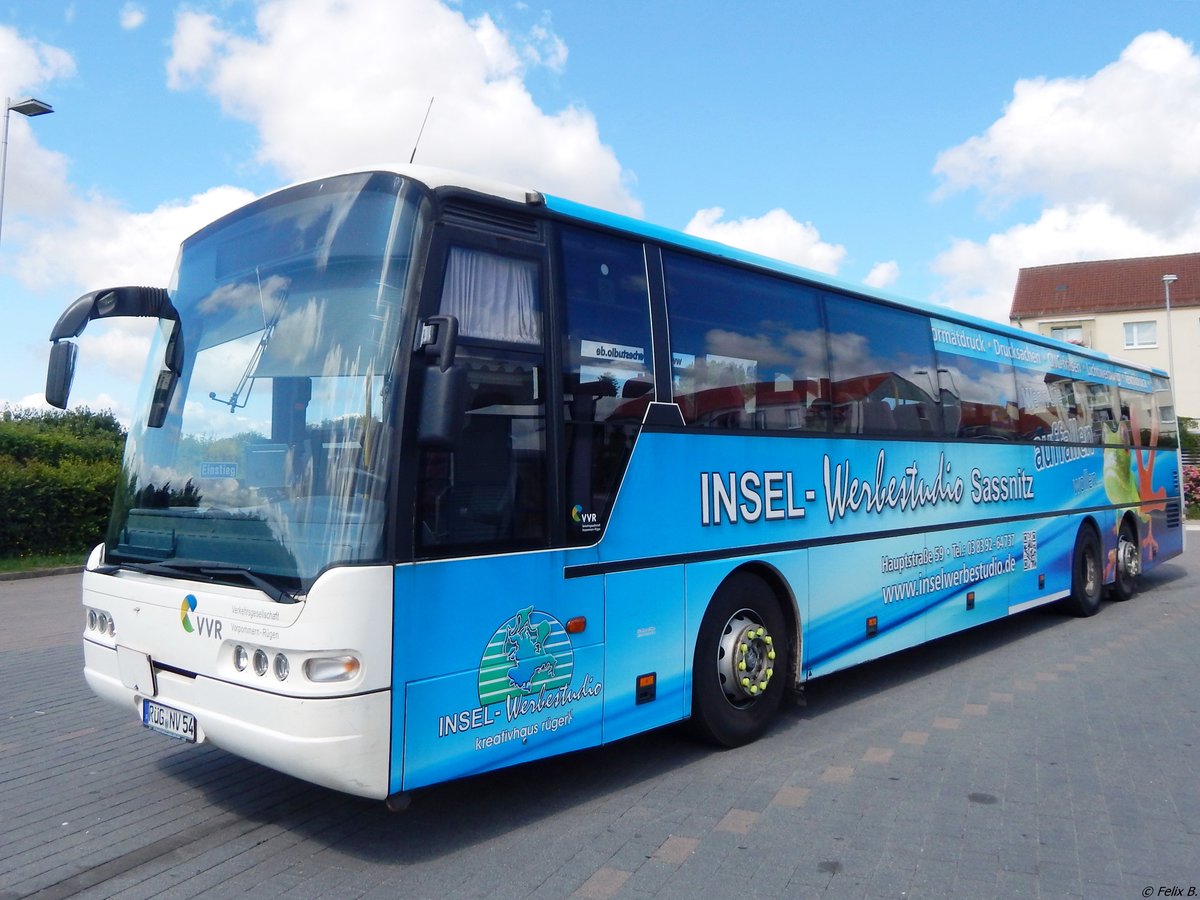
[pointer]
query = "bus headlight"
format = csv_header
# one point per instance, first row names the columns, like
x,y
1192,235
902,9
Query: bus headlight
x,y
100,622
282,667
241,658
324,669
260,662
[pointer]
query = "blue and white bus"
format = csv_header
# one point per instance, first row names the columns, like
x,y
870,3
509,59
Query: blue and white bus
x,y
431,476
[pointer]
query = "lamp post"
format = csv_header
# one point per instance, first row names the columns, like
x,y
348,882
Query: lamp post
x,y
1167,281
27,107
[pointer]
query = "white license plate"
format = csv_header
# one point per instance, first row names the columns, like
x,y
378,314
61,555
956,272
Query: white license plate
x,y
166,720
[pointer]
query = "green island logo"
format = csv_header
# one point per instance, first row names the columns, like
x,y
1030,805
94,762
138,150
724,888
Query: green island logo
x,y
187,606
529,653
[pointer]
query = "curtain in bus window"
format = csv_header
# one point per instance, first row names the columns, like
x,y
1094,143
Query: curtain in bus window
x,y
881,367
747,350
493,297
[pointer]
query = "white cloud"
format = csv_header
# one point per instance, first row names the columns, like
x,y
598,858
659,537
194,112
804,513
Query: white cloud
x,y
545,48
132,16
1112,155
775,234
98,244
1128,135
193,47
98,402
883,274
36,177
26,64
980,277
331,84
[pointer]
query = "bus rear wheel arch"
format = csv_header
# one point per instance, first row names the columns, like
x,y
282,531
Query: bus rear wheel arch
x,y
742,662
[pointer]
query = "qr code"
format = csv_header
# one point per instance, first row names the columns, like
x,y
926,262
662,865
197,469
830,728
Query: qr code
x,y
1029,550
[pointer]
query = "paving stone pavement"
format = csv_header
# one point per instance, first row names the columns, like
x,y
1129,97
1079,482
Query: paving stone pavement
x,y
1041,756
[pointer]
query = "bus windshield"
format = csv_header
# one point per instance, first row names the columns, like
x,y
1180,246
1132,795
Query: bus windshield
x,y
271,462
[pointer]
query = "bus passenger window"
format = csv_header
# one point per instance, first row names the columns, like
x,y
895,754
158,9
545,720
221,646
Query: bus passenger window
x,y
882,370
486,491
607,370
1168,433
748,350
1103,412
982,393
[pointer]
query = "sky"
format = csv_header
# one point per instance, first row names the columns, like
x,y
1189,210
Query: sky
x,y
929,149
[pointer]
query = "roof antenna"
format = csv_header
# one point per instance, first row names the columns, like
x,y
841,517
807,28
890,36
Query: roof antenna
x,y
421,132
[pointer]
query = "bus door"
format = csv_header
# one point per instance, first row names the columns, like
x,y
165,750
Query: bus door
x,y
608,384
490,675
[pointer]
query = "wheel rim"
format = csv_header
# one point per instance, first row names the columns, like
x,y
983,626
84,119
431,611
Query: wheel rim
x,y
745,658
1090,572
1128,559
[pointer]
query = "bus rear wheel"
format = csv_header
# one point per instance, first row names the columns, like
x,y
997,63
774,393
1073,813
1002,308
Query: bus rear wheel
x,y
1128,563
741,662
1087,573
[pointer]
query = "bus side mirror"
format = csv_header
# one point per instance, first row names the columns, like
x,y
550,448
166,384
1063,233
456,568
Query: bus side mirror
x,y
444,394
113,303
443,407
60,373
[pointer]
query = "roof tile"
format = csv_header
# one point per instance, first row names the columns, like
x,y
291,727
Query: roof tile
x,y
1109,285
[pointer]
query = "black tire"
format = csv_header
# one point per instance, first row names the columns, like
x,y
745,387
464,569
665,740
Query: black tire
x,y
743,624
1124,584
1087,573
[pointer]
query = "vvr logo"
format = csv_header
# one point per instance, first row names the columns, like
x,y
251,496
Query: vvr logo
x,y
206,626
586,519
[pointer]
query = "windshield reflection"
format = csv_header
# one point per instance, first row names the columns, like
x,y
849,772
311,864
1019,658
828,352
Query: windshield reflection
x,y
273,453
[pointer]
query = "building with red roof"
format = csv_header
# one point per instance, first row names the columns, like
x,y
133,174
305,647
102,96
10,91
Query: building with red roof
x,y
1118,306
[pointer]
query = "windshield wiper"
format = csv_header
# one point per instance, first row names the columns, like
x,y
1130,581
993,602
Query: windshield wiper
x,y
256,356
185,568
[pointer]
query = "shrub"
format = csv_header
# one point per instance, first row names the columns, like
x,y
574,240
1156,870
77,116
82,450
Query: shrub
x,y
58,473
1191,490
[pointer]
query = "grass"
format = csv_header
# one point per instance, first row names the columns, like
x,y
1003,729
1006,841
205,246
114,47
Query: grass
x,y
34,562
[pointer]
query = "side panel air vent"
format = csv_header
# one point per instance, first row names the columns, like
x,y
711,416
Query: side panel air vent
x,y
1174,516
493,219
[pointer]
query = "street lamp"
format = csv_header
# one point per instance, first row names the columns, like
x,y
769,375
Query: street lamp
x,y
1167,281
27,107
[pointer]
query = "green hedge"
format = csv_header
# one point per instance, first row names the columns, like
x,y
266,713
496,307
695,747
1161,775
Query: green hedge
x,y
58,472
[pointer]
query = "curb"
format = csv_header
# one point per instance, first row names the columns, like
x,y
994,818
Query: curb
x,y
40,573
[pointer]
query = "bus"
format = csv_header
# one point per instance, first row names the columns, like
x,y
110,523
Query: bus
x,y
430,476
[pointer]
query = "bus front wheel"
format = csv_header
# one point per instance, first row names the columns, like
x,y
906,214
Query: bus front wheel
x,y
1087,573
741,662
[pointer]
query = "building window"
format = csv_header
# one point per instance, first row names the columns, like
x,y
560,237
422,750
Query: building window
x,y
1072,334
1141,334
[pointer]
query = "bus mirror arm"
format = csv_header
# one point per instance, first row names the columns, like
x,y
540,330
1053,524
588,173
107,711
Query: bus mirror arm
x,y
114,303
439,338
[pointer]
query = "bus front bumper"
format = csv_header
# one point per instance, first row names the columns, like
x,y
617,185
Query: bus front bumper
x,y
339,742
